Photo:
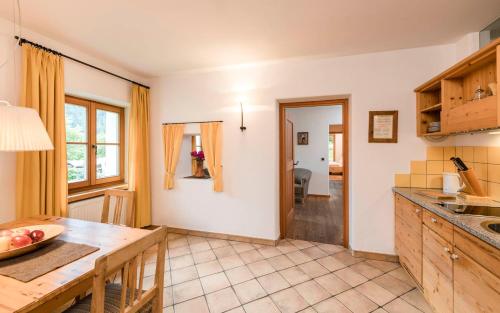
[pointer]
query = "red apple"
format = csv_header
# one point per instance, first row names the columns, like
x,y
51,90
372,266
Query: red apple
x,y
20,241
36,235
5,232
20,231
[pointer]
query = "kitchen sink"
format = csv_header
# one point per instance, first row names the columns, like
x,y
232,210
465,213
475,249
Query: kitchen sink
x,y
492,226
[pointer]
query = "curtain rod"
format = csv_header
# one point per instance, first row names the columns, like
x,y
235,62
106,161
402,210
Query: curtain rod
x,y
23,41
193,122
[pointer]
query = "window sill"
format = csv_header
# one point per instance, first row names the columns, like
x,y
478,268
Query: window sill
x,y
93,193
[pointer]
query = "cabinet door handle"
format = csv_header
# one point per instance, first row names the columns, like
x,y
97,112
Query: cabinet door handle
x,y
446,249
453,256
417,211
433,220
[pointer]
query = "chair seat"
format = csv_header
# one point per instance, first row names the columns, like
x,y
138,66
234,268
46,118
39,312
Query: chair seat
x,y
111,302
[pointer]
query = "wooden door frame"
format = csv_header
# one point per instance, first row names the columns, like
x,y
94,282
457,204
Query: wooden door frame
x,y
345,153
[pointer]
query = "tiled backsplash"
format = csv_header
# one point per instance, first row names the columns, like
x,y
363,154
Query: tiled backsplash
x,y
428,174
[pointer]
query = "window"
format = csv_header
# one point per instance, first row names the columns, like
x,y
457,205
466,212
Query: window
x,y
331,148
94,138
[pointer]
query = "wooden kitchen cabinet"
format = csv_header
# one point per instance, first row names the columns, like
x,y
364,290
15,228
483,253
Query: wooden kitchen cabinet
x,y
409,236
437,271
449,99
476,290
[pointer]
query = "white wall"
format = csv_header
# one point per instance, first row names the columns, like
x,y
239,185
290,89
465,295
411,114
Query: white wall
x,y
338,152
249,205
316,121
79,81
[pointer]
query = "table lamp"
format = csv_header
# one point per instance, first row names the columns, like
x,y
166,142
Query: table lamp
x,y
21,129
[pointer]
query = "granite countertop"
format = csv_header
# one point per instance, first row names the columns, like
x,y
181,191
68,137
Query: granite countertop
x,y
469,223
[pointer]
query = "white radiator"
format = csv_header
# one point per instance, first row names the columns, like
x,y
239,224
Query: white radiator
x,y
91,209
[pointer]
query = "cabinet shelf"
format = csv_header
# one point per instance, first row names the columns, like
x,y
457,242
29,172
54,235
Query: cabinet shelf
x,y
435,107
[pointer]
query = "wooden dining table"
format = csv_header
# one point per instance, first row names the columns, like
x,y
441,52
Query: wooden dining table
x,y
56,288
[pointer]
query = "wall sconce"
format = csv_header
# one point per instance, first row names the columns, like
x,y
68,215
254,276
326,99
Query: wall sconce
x,y
242,127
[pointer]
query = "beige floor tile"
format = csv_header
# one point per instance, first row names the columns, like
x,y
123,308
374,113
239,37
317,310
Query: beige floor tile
x,y
416,298
332,284
203,256
223,252
366,270
169,309
356,302
331,305
184,274
289,301
286,247
308,310
350,276
251,256
301,244
214,282
392,284
236,310
313,269
331,263
208,268
176,243
383,265
198,305
375,293
199,246
249,291
280,262
222,300
230,262
331,249
294,275
195,239
168,296
314,253
297,257
217,243
260,268
173,236
400,306
402,275
346,258
180,251
380,310
312,292
239,275
264,305
242,247
273,282
269,252
187,291
181,261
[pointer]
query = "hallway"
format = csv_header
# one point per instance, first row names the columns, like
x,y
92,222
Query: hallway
x,y
319,219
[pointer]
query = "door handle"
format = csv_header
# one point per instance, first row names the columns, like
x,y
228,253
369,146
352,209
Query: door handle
x,y
295,163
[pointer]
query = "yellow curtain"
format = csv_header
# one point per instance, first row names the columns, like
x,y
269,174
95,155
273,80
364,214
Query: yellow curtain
x,y
211,140
41,177
138,155
172,140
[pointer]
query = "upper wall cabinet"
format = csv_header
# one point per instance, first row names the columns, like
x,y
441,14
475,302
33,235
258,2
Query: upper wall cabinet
x,y
464,98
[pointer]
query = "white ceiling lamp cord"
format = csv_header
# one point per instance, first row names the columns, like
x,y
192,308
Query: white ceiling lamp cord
x,y
12,53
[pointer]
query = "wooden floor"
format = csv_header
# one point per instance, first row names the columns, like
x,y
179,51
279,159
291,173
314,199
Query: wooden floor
x,y
319,219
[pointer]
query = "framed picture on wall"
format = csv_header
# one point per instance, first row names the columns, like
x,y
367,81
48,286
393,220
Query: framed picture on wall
x,y
303,138
383,127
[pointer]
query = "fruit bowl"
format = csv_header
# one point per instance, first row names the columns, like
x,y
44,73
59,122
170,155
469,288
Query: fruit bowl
x,y
51,231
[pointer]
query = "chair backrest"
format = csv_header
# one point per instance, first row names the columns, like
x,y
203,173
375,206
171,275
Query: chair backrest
x,y
119,195
129,262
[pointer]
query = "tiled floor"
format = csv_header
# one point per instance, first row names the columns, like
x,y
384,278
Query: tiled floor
x,y
211,275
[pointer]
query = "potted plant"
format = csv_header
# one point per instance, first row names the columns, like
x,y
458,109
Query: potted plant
x,y
199,157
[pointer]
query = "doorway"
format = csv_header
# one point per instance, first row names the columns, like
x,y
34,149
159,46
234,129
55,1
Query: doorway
x,y
313,174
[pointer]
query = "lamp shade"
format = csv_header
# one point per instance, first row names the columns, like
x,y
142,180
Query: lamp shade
x,y
21,129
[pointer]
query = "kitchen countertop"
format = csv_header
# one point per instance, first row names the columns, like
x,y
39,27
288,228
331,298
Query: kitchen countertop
x,y
469,223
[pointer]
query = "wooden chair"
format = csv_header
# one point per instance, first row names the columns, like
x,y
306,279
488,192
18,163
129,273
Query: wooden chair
x,y
119,196
129,262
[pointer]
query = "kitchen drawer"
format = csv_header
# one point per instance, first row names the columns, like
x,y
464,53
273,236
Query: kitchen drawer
x,y
484,254
438,224
410,212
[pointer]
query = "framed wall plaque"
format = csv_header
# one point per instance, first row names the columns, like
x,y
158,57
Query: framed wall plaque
x,y
383,127
303,138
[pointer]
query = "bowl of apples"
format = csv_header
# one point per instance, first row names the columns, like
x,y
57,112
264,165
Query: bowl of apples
x,y
21,240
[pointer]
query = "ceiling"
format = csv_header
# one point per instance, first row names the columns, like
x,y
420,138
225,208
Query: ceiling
x,y
154,37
